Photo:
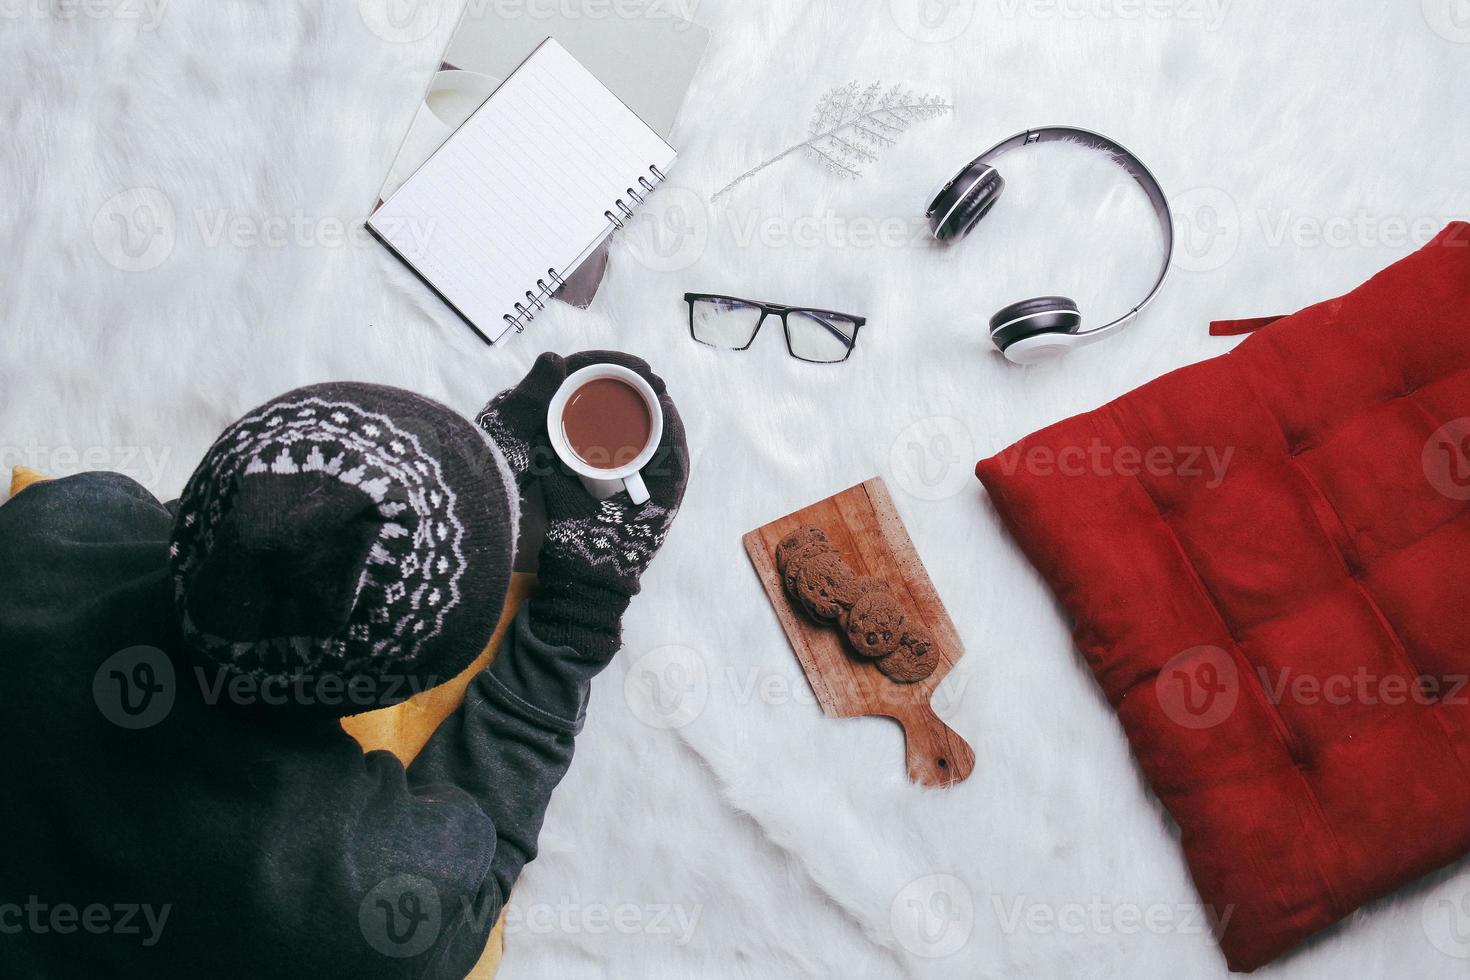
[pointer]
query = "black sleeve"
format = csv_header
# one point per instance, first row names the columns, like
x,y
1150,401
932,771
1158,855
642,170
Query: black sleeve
x,y
509,747
276,847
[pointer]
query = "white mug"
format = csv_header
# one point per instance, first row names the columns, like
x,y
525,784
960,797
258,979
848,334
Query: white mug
x,y
599,482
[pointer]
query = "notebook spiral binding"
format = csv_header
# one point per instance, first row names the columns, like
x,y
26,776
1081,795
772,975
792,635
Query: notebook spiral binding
x,y
618,215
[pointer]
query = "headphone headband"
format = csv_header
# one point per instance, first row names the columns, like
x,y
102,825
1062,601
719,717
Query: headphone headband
x,y
1135,167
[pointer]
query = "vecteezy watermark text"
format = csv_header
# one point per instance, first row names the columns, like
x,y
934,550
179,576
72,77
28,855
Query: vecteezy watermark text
x,y
98,919
136,688
1099,916
1201,688
403,916
567,917
146,464
681,12
1210,226
670,687
148,14
1098,458
325,690
1210,13
411,21
139,229
223,227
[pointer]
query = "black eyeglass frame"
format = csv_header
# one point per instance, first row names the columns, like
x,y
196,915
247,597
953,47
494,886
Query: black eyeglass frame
x,y
782,311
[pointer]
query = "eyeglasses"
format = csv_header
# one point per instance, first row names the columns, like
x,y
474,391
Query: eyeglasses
x,y
815,336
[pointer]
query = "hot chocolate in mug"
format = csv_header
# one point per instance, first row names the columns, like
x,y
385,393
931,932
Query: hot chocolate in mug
x,y
606,424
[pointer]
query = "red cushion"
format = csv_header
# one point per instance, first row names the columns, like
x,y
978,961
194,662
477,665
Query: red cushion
x,y
1266,557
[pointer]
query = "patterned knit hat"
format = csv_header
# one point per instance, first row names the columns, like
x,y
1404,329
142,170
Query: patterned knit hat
x,y
344,547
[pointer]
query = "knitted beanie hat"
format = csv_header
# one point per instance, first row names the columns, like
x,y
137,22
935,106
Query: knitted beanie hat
x,y
342,548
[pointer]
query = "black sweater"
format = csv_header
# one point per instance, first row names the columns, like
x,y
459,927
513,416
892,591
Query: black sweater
x,y
212,843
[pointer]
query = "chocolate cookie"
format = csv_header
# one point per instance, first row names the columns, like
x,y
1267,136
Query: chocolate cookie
x,y
795,541
798,558
868,583
875,624
916,658
825,586
864,585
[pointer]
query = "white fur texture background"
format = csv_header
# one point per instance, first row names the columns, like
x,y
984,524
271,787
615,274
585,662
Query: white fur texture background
x,y
182,192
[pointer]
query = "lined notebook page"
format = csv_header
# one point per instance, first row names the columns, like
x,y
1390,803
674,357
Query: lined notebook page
x,y
522,187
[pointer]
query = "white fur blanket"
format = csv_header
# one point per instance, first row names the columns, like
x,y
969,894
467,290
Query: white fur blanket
x,y
715,823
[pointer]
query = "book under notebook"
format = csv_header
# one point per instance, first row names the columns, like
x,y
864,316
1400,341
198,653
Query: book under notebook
x,y
518,198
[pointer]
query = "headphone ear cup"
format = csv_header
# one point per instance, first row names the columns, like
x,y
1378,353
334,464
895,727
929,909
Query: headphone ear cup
x,y
1032,317
957,209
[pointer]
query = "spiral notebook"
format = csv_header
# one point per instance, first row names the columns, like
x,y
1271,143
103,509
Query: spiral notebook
x,y
523,193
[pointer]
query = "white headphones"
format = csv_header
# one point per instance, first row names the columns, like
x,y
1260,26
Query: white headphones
x,y
1045,327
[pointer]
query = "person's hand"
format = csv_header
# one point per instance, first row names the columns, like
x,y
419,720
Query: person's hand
x,y
614,540
596,552
515,419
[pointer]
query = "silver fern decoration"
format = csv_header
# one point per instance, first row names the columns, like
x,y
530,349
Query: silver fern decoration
x,y
852,124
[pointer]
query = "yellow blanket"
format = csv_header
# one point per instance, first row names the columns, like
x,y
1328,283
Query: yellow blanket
x,y
405,728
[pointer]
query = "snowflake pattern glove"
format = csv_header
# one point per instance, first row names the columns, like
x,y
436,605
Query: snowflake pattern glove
x,y
516,418
596,551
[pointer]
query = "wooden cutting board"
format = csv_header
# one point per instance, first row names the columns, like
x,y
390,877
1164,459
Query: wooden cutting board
x,y
863,525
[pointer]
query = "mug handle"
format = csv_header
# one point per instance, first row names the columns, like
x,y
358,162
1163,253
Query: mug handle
x,y
637,489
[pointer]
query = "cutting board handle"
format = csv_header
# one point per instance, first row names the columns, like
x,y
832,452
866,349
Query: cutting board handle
x,y
938,757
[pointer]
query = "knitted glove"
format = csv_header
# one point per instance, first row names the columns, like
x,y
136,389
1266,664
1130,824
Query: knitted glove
x,y
595,552
516,418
